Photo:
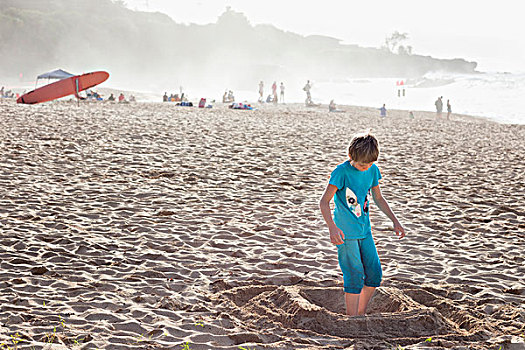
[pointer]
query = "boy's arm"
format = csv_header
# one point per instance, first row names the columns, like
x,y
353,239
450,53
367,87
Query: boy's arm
x,y
385,208
336,235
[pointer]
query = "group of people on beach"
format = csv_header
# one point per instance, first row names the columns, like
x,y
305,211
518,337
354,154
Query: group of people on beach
x,y
439,107
271,98
174,97
122,98
228,97
7,93
438,104
95,96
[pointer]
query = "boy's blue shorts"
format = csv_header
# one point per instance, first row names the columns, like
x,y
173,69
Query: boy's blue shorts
x,y
360,264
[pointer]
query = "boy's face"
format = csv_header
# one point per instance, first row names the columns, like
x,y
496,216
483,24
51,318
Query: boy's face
x,y
361,166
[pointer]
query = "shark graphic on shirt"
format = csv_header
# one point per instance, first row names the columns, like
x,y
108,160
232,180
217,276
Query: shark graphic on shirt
x,y
351,198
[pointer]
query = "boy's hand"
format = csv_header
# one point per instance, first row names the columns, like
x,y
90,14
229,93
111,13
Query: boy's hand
x,y
399,229
336,236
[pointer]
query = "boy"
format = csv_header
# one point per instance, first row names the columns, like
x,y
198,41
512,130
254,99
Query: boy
x,y
383,111
350,184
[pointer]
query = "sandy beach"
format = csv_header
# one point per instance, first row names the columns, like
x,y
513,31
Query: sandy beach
x,y
151,226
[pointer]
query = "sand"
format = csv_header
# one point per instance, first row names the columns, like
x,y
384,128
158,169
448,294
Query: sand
x,y
151,226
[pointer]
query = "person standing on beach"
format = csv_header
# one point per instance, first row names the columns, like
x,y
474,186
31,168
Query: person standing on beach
x,y
307,88
350,185
332,107
439,106
449,109
261,91
274,92
282,92
383,111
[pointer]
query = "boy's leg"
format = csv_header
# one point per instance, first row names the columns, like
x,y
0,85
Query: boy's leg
x,y
364,298
352,304
372,270
349,257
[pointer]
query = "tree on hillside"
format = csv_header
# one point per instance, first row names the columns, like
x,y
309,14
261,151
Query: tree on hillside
x,y
394,43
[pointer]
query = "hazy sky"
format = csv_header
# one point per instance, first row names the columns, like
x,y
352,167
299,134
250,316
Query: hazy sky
x,y
487,32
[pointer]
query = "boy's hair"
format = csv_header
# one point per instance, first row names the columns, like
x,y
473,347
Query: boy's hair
x,y
363,148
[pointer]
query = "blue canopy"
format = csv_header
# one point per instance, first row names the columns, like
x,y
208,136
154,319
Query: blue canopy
x,y
56,74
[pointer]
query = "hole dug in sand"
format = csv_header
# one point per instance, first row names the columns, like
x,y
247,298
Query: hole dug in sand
x,y
391,313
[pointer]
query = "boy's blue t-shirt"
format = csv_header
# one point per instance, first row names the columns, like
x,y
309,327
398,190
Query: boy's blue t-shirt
x,y
360,182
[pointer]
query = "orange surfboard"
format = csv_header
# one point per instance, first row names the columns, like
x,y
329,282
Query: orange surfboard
x,y
63,87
